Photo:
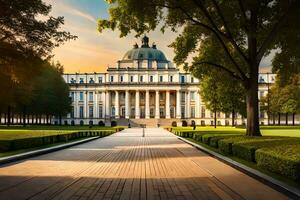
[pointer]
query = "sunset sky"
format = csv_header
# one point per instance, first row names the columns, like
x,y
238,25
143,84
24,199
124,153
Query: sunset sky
x,y
92,51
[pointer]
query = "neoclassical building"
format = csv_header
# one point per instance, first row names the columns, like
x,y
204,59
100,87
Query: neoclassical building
x,y
144,88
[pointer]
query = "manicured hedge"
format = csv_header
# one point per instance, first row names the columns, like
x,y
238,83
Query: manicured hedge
x,y
10,145
275,154
283,159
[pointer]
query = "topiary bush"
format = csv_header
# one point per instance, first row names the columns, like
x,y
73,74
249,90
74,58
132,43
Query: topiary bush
x,y
184,123
101,123
174,124
113,123
283,159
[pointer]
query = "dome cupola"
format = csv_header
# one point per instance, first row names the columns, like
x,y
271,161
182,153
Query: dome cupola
x,y
145,52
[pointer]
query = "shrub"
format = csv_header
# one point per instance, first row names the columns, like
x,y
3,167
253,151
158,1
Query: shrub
x,y
113,123
283,159
81,122
101,123
174,124
193,123
184,123
72,123
225,145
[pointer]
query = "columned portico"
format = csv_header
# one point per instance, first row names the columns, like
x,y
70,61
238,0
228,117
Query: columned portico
x,y
168,104
107,104
157,115
178,104
117,105
127,104
137,104
147,105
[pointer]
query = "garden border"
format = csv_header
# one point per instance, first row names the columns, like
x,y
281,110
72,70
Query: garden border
x,y
280,186
22,156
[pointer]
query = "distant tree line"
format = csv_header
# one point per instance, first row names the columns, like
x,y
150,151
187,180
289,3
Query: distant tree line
x,y
29,84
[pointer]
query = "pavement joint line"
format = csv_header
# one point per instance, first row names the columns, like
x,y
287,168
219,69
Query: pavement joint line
x,y
30,154
268,180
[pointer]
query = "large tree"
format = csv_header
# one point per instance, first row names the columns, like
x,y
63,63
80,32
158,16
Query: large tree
x,y
248,28
27,37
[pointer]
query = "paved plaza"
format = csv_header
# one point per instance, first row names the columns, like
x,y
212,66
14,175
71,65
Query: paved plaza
x,y
129,165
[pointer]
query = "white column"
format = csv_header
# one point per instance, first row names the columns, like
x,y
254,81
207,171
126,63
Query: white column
x,y
197,105
103,97
147,105
168,104
96,105
137,104
157,115
117,107
127,105
76,107
85,115
188,104
107,104
178,105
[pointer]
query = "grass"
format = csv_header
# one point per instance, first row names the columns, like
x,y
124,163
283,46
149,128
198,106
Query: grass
x,y
288,131
18,132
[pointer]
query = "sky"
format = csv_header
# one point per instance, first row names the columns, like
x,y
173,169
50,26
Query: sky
x,y
94,51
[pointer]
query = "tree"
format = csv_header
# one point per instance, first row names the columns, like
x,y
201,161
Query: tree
x,y
210,96
249,29
27,38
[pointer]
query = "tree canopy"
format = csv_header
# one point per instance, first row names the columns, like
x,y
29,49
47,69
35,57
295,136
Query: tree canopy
x,y
245,31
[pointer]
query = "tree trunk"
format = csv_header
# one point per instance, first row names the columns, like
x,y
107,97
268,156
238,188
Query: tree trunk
x,y
215,123
232,118
60,120
252,108
24,116
5,118
273,116
8,115
286,118
279,118
293,119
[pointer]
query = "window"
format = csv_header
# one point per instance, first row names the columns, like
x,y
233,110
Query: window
x,y
218,114
72,112
100,79
192,112
171,78
227,115
261,94
182,96
73,96
91,80
100,111
72,80
91,111
91,96
192,96
161,78
151,78
111,78
262,115
121,78
182,80
81,96
161,112
81,80
203,112
192,79
80,111
131,78
211,114
141,78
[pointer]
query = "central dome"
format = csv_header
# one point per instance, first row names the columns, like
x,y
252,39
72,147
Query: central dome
x,y
145,52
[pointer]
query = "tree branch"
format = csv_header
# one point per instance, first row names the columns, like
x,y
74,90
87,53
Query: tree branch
x,y
272,34
230,36
215,30
232,73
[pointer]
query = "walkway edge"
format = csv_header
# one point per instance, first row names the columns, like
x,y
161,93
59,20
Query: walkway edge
x,y
268,180
22,156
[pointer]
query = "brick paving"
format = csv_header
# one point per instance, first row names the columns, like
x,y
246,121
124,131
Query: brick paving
x,y
127,165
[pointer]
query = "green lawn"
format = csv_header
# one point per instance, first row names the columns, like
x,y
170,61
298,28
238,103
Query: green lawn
x,y
18,132
290,131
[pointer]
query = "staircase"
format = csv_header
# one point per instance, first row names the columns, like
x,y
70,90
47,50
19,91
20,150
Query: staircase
x,y
148,122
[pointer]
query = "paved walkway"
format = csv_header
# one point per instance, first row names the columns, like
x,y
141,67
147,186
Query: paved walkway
x,y
127,165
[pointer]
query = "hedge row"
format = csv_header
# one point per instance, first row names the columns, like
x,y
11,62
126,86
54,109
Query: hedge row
x,y
11,145
276,154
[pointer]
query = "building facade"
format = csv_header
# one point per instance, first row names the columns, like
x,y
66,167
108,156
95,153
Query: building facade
x,y
144,88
